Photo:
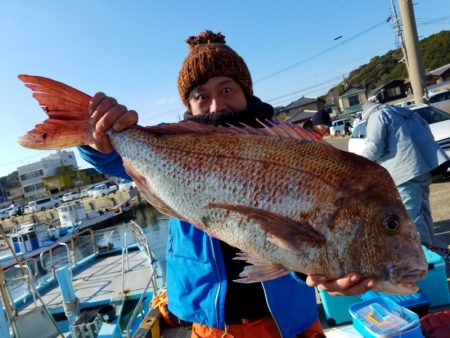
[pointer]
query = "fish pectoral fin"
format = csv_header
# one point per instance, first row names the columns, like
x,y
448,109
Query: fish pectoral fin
x,y
282,230
260,269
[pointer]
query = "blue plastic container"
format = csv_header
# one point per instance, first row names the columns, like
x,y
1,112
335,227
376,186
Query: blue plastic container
x,y
435,285
382,317
416,302
336,308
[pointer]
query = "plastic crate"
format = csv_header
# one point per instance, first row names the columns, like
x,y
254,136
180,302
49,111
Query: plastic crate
x,y
416,302
336,308
435,285
382,317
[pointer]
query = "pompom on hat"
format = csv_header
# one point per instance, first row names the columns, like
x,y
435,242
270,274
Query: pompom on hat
x,y
209,56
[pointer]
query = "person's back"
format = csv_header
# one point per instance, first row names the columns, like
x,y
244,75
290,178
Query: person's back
x,y
401,141
408,149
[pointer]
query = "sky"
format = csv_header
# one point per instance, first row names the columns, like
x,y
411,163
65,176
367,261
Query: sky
x,y
133,50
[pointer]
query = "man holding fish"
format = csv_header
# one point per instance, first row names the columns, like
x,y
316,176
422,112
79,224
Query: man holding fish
x,y
216,87
278,193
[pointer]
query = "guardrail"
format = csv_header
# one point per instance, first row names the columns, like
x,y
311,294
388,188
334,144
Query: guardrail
x,y
143,243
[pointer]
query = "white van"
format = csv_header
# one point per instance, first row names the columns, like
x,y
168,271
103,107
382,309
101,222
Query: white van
x,y
43,204
338,127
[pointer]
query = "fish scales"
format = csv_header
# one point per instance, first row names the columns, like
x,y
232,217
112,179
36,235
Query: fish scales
x,y
248,167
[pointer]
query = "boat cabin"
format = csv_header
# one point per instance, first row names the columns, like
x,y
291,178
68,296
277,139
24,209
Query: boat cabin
x,y
71,214
32,236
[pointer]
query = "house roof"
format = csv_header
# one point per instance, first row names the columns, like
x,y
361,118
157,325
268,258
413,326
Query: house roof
x,y
303,101
439,71
352,91
378,89
300,116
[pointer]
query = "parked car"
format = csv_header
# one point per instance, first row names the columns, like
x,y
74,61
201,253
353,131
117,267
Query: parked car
x,y
14,210
126,185
4,213
112,186
44,204
90,190
440,100
27,209
340,127
438,120
84,193
70,196
100,190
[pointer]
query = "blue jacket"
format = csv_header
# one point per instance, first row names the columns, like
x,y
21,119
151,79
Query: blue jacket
x,y
401,141
196,276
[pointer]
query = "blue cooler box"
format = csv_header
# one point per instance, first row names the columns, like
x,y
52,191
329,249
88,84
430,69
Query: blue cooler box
x,y
381,317
416,302
435,286
336,308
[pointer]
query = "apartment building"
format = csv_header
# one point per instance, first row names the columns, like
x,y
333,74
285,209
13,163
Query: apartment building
x,y
31,175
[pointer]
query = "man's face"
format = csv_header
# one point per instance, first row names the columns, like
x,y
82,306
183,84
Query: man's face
x,y
218,95
321,129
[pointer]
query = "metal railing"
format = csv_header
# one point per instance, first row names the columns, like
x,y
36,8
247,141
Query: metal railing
x,y
143,243
48,261
139,307
71,259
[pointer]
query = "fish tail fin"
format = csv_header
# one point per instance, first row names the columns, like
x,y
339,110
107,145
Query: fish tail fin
x,y
67,124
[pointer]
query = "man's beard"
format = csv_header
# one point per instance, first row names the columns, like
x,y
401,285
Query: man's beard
x,y
256,110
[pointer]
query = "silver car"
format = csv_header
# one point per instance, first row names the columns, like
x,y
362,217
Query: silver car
x,y
440,100
438,120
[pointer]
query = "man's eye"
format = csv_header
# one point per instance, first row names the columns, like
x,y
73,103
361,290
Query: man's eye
x,y
227,90
200,97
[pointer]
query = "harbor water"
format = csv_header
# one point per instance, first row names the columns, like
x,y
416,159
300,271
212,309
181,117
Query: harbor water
x,y
153,224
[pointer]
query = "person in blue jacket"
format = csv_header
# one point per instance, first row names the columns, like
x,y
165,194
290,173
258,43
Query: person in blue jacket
x,y
402,142
216,87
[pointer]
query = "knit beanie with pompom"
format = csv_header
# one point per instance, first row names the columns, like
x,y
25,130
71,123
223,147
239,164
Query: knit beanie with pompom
x,y
209,56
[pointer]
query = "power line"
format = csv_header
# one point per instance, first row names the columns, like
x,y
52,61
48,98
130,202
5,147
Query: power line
x,y
306,88
322,52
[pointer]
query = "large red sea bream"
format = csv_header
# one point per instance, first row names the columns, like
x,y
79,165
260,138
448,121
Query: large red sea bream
x,y
288,201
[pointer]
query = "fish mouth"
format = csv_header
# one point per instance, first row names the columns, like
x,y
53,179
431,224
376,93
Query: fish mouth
x,y
401,280
407,279
413,275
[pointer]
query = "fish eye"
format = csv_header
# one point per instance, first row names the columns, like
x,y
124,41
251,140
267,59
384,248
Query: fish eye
x,y
391,223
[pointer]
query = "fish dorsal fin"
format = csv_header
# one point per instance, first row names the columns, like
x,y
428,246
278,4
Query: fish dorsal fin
x,y
283,231
259,269
270,128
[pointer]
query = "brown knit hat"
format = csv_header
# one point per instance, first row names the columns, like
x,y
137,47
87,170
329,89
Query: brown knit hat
x,y
209,56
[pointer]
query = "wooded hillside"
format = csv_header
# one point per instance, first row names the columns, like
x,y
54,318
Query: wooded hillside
x,y
382,69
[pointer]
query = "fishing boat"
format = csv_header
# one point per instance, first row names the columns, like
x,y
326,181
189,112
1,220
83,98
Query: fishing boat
x,y
97,290
31,239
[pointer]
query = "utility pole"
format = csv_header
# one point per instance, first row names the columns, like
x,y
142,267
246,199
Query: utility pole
x,y
400,42
415,62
